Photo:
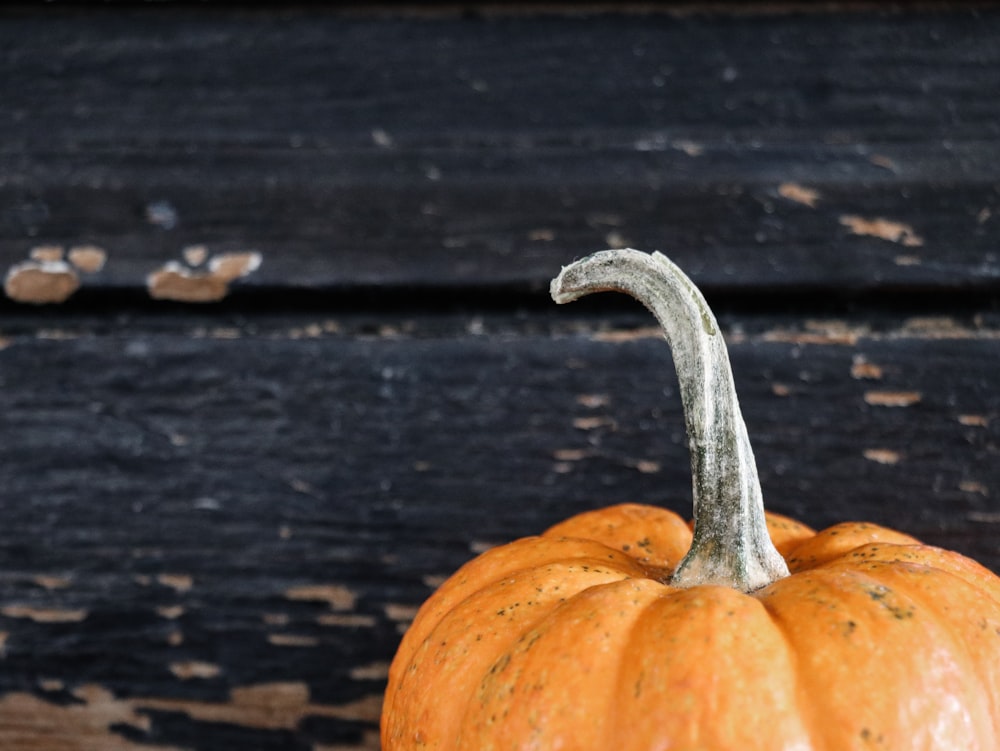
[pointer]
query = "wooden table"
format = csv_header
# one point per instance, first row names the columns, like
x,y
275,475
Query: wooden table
x,y
298,360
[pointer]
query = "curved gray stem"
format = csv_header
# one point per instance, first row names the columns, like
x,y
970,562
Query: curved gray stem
x,y
731,544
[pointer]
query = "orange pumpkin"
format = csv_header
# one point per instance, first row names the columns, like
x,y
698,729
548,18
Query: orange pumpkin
x,y
622,629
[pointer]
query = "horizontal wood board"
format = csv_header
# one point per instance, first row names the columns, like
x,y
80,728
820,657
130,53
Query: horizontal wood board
x,y
218,519
204,516
846,152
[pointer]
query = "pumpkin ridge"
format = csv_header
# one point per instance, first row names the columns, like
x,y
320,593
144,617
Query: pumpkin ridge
x,y
541,688
463,641
707,668
862,623
974,636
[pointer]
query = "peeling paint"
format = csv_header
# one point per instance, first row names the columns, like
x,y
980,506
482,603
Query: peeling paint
x,y
89,259
593,401
403,613
195,669
51,582
180,283
892,398
570,455
94,720
690,148
47,253
86,725
48,277
43,615
41,282
178,582
882,456
170,612
593,423
337,596
972,486
346,620
976,421
631,335
884,229
292,640
861,369
374,671
799,194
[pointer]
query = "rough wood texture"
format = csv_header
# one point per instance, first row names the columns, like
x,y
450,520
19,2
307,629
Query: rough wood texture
x,y
218,519
840,152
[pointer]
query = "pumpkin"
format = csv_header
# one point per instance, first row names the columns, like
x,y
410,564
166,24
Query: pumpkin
x,y
625,629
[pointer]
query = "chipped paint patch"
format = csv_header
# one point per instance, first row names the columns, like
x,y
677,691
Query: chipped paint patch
x,y
861,369
819,332
402,613
47,253
799,194
269,706
177,582
41,282
984,517
971,486
170,612
570,455
593,401
882,456
89,259
974,421
346,620
644,466
43,615
180,283
882,161
884,229
85,725
292,640
51,582
631,335
375,671
92,722
48,277
194,669
337,596
593,423
907,260
690,148
892,398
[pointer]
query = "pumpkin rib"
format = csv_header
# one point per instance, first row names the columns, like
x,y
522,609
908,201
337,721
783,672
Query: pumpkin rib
x,y
848,626
713,659
553,688
505,561
944,595
448,652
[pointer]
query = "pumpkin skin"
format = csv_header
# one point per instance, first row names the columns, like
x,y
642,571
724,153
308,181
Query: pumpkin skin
x,y
628,629
571,640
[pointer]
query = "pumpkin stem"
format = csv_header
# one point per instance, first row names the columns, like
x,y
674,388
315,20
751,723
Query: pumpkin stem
x,y
731,543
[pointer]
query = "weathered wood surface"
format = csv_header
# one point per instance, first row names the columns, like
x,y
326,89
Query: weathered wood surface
x,y
192,512
840,152
218,519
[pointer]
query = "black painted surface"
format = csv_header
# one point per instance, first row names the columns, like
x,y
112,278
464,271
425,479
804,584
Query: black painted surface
x,y
218,519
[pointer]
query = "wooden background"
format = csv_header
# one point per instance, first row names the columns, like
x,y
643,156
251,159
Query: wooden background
x,y
219,516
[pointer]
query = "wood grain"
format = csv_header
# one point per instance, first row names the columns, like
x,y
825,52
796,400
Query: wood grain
x,y
219,517
834,152
213,538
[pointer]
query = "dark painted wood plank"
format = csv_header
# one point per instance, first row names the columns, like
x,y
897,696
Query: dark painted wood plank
x,y
214,529
409,153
